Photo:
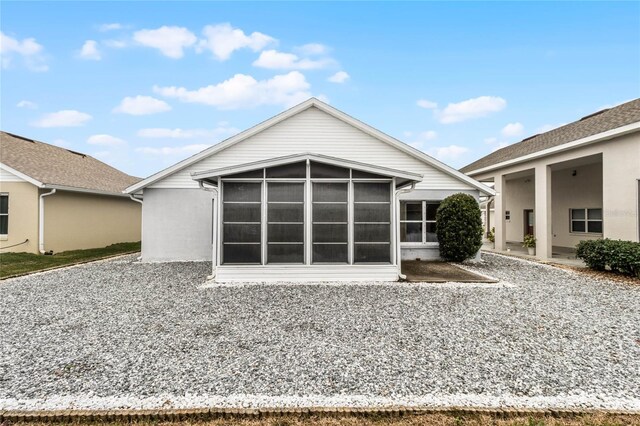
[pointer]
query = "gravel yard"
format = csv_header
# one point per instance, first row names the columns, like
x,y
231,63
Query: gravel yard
x,y
118,334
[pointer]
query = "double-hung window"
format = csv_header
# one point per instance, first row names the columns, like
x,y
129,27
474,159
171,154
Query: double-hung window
x,y
418,221
586,220
4,214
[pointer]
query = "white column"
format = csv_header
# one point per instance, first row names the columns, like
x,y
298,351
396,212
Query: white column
x,y
542,212
499,209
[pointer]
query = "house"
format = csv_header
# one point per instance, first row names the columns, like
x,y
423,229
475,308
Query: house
x,y
579,181
310,194
55,199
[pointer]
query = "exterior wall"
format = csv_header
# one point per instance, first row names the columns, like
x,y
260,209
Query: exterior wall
x,y
315,131
520,196
620,175
23,216
176,224
588,181
76,220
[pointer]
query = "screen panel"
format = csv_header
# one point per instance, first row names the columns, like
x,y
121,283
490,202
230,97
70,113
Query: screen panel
x,y
285,222
372,222
293,170
241,222
328,171
330,232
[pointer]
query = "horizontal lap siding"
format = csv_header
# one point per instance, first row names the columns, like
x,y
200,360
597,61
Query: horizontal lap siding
x,y
318,132
312,273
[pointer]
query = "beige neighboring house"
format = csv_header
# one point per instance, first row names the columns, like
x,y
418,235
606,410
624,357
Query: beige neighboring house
x,y
55,199
579,181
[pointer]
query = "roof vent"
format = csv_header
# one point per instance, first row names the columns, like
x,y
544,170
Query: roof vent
x,y
594,114
77,153
20,137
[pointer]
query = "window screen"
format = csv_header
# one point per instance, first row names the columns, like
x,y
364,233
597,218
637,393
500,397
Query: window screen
x,y
321,170
241,222
285,222
330,222
293,170
372,222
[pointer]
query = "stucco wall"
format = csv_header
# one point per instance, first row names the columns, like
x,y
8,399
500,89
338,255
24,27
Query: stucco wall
x,y
584,190
74,220
520,196
176,224
23,216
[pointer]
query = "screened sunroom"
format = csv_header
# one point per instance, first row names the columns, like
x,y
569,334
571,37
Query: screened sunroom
x,y
305,217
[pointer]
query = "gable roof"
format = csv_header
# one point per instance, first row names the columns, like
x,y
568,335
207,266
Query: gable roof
x,y
312,102
320,158
593,124
49,166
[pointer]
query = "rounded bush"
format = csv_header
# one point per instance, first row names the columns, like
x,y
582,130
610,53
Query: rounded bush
x,y
459,227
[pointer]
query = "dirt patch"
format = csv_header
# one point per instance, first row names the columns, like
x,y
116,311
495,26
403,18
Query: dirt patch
x,y
440,272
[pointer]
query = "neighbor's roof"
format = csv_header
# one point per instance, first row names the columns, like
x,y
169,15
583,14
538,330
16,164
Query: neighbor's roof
x,y
599,122
312,102
50,166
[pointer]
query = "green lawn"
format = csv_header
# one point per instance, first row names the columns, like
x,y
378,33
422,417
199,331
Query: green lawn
x,y
22,263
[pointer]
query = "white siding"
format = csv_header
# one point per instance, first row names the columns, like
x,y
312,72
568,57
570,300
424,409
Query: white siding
x,y
317,132
6,176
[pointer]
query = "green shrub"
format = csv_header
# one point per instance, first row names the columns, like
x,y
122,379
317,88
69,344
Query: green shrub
x,y
459,227
619,256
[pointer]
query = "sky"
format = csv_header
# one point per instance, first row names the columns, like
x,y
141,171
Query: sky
x,y
142,85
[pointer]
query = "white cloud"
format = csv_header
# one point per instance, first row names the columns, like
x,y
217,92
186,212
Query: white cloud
x,y
165,133
339,77
170,150
470,109
27,104
448,153
90,51
115,44
311,49
28,49
428,135
222,40
272,59
64,118
141,105
105,140
171,41
423,103
110,27
244,91
512,130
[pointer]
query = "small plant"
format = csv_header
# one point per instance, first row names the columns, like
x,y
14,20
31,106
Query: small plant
x,y
491,236
529,241
459,227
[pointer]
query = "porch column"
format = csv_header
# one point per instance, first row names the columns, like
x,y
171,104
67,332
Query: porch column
x,y
498,212
542,212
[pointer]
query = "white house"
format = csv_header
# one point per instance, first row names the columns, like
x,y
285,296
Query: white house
x,y
310,194
579,181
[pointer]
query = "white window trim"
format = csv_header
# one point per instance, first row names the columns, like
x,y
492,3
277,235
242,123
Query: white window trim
x,y
423,221
586,221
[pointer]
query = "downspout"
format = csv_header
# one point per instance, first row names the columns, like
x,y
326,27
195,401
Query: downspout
x,y
397,208
138,200
41,220
214,223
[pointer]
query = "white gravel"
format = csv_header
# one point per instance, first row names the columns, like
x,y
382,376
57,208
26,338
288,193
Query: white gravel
x,y
120,334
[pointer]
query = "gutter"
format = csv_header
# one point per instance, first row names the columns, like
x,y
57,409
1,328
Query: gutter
x,y
397,209
214,223
41,220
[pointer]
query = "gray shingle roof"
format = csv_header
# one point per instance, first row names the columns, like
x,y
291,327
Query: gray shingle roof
x,y
53,165
599,122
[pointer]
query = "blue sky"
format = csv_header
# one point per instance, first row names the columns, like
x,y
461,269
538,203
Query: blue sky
x,y
143,85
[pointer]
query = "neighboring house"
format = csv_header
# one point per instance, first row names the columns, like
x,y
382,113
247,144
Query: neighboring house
x,y
310,194
579,181
54,199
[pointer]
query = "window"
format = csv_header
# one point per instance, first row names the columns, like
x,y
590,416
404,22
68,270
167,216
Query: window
x,y
285,222
418,221
4,214
586,220
330,222
372,222
241,222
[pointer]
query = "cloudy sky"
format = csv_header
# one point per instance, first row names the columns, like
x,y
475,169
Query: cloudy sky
x,y
143,85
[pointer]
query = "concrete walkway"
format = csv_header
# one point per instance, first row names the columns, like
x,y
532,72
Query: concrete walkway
x,y
561,255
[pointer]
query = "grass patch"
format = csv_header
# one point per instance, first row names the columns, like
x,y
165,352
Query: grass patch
x,y
408,420
23,263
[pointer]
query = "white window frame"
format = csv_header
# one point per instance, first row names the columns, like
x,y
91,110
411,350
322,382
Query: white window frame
x,y
5,194
586,221
423,221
